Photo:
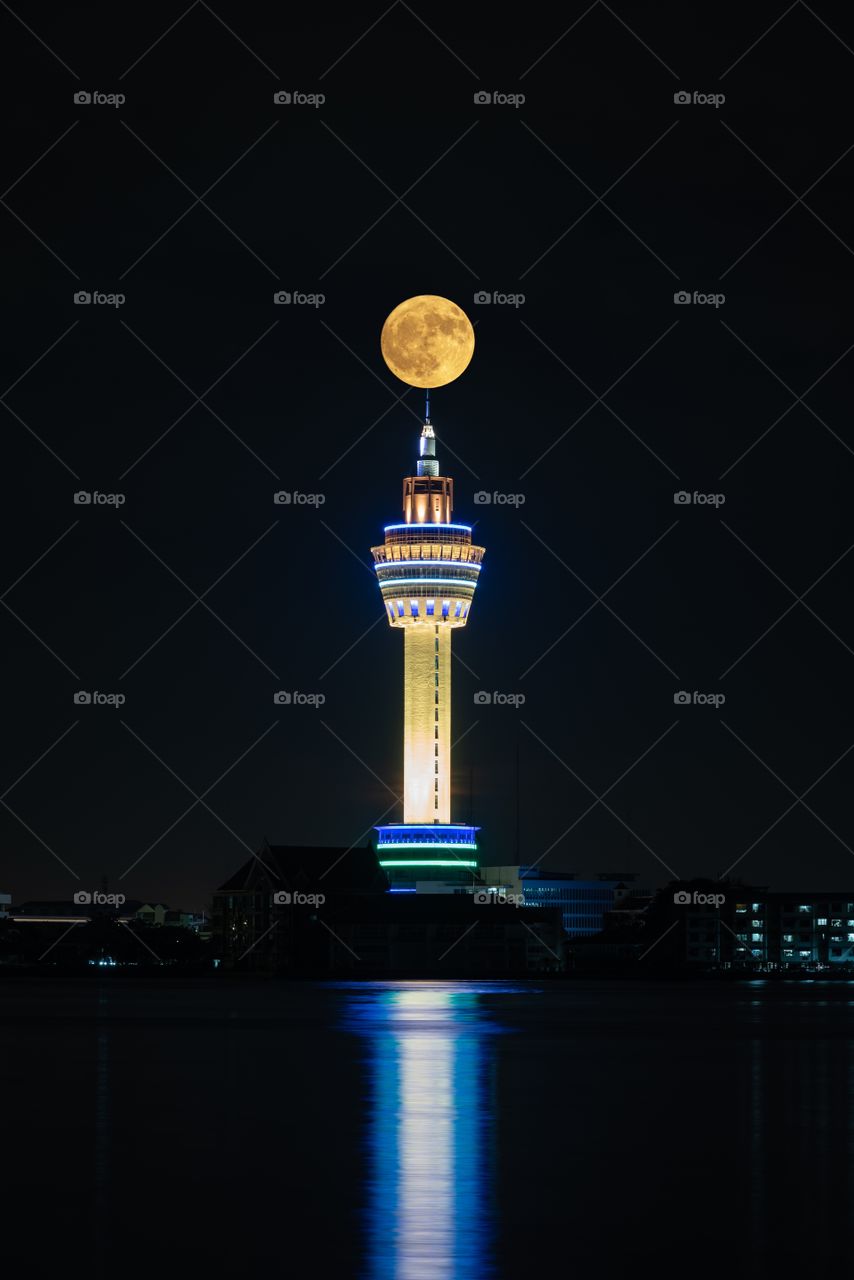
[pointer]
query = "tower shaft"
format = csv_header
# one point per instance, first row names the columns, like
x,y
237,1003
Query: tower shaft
x,y
427,724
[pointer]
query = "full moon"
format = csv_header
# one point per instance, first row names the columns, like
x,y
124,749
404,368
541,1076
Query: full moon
x,y
427,341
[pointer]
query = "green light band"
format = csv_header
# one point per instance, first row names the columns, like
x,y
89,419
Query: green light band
x,y
427,862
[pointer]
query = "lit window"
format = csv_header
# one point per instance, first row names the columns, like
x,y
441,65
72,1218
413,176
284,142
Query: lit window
x,y
822,920
400,609
788,953
804,907
446,604
756,906
806,954
740,908
413,606
850,937
835,924
788,937
458,609
756,937
431,608
757,924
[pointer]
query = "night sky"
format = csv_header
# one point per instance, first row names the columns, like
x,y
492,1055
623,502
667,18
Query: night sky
x,y
199,398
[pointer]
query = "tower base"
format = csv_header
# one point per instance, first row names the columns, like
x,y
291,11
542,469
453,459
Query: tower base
x,y
409,851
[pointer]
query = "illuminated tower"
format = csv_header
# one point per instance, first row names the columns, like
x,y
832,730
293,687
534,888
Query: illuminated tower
x,y
427,570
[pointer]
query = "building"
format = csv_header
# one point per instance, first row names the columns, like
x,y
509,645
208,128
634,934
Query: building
x,y
428,570
713,923
584,900
5,903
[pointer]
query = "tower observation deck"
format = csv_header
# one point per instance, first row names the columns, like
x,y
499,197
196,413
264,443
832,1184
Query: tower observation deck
x,y
427,569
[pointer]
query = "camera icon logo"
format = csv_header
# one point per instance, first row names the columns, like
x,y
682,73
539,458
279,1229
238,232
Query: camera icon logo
x,y
82,98
481,897
282,98
281,898
682,698
682,298
681,898
82,698
282,498
681,498
482,298
82,897
482,498
482,698
82,498
282,698
681,98
482,99
82,298
282,298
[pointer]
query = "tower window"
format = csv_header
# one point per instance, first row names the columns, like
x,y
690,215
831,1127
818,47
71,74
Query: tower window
x,y
400,609
446,604
458,609
413,607
431,607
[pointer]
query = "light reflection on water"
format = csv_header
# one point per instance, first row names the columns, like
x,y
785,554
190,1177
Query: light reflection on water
x,y
430,1198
